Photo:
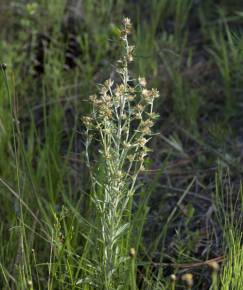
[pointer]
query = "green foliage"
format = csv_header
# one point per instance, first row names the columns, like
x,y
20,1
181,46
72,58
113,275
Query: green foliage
x,y
161,218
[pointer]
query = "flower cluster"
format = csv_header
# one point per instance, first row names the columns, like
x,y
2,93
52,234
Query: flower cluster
x,y
123,114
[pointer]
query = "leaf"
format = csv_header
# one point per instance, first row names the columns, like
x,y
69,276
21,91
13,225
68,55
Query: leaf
x,y
119,232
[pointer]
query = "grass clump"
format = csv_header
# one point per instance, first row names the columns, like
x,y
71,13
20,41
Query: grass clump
x,y
231,276
121,121
229,209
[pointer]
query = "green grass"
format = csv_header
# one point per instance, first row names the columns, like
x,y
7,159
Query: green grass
x,y
178,216
228,207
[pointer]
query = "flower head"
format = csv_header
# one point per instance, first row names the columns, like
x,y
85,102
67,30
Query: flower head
x,y
142,82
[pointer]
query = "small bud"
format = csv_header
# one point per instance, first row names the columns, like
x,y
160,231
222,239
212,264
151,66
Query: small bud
x,y
108,83
173,278
142,82
123,116
130,98
188,278
130,158
214,266
145,93
107,156
139,108
132,253
153,116
130,58
127,25
94,100
155,93
87,122
142,142
3,66
119,174
127,21
127,145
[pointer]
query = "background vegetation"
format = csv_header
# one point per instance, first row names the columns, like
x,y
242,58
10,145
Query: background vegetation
x,y
187,209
